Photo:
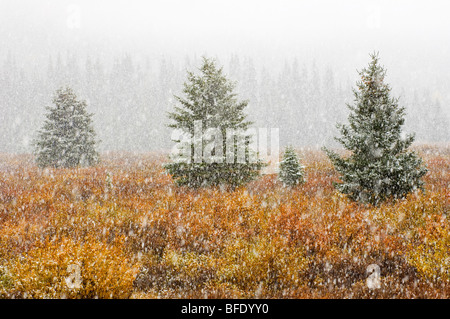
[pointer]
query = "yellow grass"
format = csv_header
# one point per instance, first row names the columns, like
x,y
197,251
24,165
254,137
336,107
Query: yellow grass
x,y
133,234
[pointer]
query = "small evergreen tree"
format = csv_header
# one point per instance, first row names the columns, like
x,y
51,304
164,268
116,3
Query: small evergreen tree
x,y
379,167
67,138
211,105
291,171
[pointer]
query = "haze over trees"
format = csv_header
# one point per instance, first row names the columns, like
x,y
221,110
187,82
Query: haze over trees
x,y
130,96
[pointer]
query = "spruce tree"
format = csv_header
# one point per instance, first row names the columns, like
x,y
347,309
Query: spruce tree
x,y
291,171
379,166
67,138
211,111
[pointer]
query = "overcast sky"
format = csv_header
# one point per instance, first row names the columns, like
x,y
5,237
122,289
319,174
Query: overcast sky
x,y
230,25
412,36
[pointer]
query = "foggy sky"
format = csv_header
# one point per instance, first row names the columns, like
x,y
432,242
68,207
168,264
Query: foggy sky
x,y
411,36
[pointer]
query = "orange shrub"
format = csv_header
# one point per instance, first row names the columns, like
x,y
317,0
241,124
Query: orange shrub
x,y
51,270
134,234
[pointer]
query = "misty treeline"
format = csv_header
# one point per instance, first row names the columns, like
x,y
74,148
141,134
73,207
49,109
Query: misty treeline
x,y
130,98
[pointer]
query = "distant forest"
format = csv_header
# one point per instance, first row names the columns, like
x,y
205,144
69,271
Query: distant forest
x,y
130,99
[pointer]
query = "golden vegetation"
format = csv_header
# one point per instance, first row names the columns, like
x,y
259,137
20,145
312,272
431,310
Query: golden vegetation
x,y
133,234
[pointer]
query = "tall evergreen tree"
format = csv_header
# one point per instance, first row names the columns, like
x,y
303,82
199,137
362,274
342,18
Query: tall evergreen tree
x,y
67,138
210,111
379,167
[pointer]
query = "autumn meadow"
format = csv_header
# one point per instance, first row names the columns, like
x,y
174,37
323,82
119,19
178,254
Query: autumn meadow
x,y
127,231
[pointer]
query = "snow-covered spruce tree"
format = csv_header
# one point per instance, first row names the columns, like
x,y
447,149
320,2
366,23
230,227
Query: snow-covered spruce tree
x,y
67,138
291,171
214,159
379,167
